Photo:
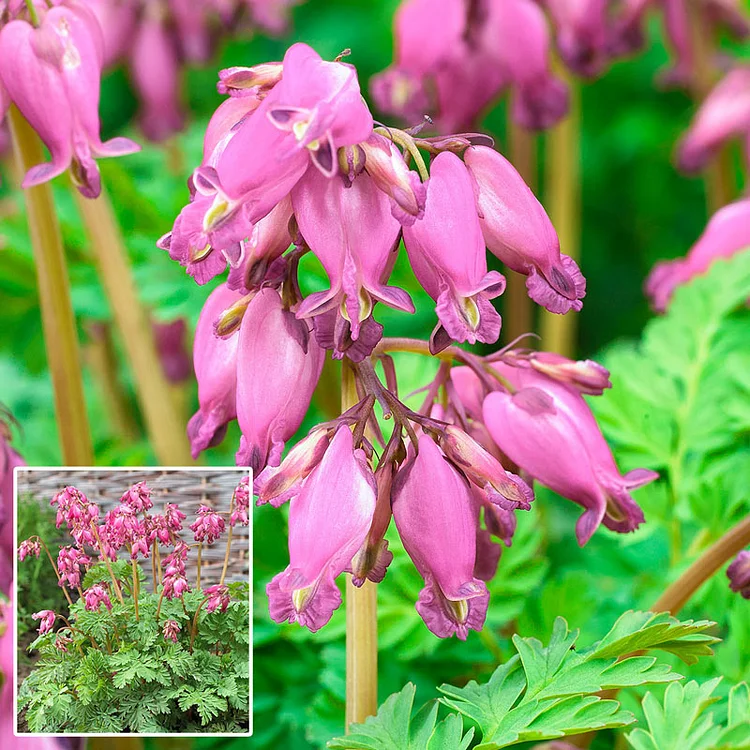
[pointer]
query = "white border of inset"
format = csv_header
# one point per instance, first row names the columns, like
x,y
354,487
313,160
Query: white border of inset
x,y
241,472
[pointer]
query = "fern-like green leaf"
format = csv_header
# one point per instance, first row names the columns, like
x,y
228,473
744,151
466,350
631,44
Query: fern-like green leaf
x,y
683,721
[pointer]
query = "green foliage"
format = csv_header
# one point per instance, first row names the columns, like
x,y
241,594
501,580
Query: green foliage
x,y
394,728
683,720
541,693
662,410
120,674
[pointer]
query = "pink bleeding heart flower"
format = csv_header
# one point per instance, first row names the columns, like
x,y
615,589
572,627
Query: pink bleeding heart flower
x,y
354,235
138,497
739,574
174,517
269,240
539,100
171,630
324,534
52,73
437,521
518,231
47,620
155,69
208,526
483,470
95,596
582,33
278,484
215,362
586,376
626,33
724,114
217,598
447,253
320,103
279,364
385,164
726,234
29,547
547,429
427,34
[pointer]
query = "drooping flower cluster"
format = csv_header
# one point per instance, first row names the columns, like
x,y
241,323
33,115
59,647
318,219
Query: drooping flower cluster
x,y
157,38
208,526
71,566
47,620
174,581
217,598
80,515
138,498
448,491
726,234
29,547
455,57
51,72
292,158
171,630
241,504
95,596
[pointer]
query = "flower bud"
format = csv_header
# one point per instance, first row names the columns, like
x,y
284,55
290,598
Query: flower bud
x,y
279,484
239,81
585,376
486,472
739,574
373,558
385,164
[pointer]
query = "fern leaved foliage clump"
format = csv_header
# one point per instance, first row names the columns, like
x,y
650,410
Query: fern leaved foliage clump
x,y
546,692
125,659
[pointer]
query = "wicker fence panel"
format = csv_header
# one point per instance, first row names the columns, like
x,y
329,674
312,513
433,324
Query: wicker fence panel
x,y
189,489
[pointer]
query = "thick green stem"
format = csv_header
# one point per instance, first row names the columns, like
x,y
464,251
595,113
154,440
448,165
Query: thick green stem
x,y
164,423
58,319
361,618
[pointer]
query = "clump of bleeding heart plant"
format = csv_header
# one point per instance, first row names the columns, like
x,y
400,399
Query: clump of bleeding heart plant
x,y
133,654
293,164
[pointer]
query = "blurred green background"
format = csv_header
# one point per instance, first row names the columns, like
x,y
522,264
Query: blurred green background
x,y
637,209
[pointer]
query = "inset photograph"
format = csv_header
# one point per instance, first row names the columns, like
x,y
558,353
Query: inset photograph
x,y
133,601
